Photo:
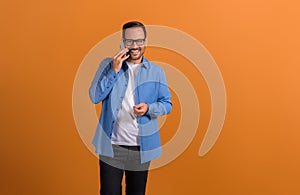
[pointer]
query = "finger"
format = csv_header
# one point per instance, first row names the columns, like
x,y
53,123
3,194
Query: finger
x,y
137,111
137,108
141,109
139,105
125,56
141,113
122,57
121,53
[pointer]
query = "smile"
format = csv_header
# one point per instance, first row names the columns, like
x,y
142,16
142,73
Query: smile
x,y
134,51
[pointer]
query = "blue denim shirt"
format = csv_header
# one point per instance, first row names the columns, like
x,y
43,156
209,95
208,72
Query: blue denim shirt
x,y
109,88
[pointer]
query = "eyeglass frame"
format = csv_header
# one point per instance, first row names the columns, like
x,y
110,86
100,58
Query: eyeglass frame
x,y
134,41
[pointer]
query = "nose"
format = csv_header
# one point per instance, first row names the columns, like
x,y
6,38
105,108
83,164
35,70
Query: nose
x,y
134,45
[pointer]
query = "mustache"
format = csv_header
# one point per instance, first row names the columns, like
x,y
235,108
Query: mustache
x,y
129,50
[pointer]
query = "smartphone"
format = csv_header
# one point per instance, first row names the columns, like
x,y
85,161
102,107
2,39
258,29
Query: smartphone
x,y
122,46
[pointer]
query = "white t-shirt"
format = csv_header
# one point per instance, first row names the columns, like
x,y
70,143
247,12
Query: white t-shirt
x,y
126,130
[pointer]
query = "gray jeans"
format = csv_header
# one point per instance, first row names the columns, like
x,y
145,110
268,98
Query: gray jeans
x,y
126,158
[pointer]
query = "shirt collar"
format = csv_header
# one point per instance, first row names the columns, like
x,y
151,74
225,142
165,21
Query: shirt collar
x,y
145,63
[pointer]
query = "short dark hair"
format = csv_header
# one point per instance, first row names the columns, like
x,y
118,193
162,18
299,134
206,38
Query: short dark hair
x,y
133,24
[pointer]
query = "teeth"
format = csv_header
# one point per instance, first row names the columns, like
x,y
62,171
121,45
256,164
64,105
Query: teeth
x,y
134,50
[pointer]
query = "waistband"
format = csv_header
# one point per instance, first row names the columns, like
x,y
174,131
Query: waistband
x,y
134,148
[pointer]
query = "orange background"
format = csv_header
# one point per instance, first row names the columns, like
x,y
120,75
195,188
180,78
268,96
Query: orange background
x,y
255,44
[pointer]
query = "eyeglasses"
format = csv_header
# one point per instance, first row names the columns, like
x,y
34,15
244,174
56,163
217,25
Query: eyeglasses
x,y
130,42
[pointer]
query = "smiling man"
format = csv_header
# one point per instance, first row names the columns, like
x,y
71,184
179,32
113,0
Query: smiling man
x,y
133,92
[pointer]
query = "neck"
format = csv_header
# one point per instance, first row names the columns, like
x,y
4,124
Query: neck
x,y
137,61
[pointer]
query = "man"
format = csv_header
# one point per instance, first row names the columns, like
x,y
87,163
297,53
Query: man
x,y
133,92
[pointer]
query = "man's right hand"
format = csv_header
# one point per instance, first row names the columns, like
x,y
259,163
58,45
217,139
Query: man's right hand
x,y
118,59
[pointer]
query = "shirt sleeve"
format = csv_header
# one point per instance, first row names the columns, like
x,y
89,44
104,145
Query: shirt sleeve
x,y
163,105
103,81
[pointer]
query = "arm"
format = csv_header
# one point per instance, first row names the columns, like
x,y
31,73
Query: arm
x,y
103,81
106,76
163,105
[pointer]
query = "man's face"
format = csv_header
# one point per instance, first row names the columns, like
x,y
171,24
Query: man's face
x,y
134,39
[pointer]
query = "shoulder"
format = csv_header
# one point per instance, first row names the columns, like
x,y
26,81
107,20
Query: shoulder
x,y
153,67
105,61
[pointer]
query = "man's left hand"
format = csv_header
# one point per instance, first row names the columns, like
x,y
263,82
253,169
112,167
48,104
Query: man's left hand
x,y
140,109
